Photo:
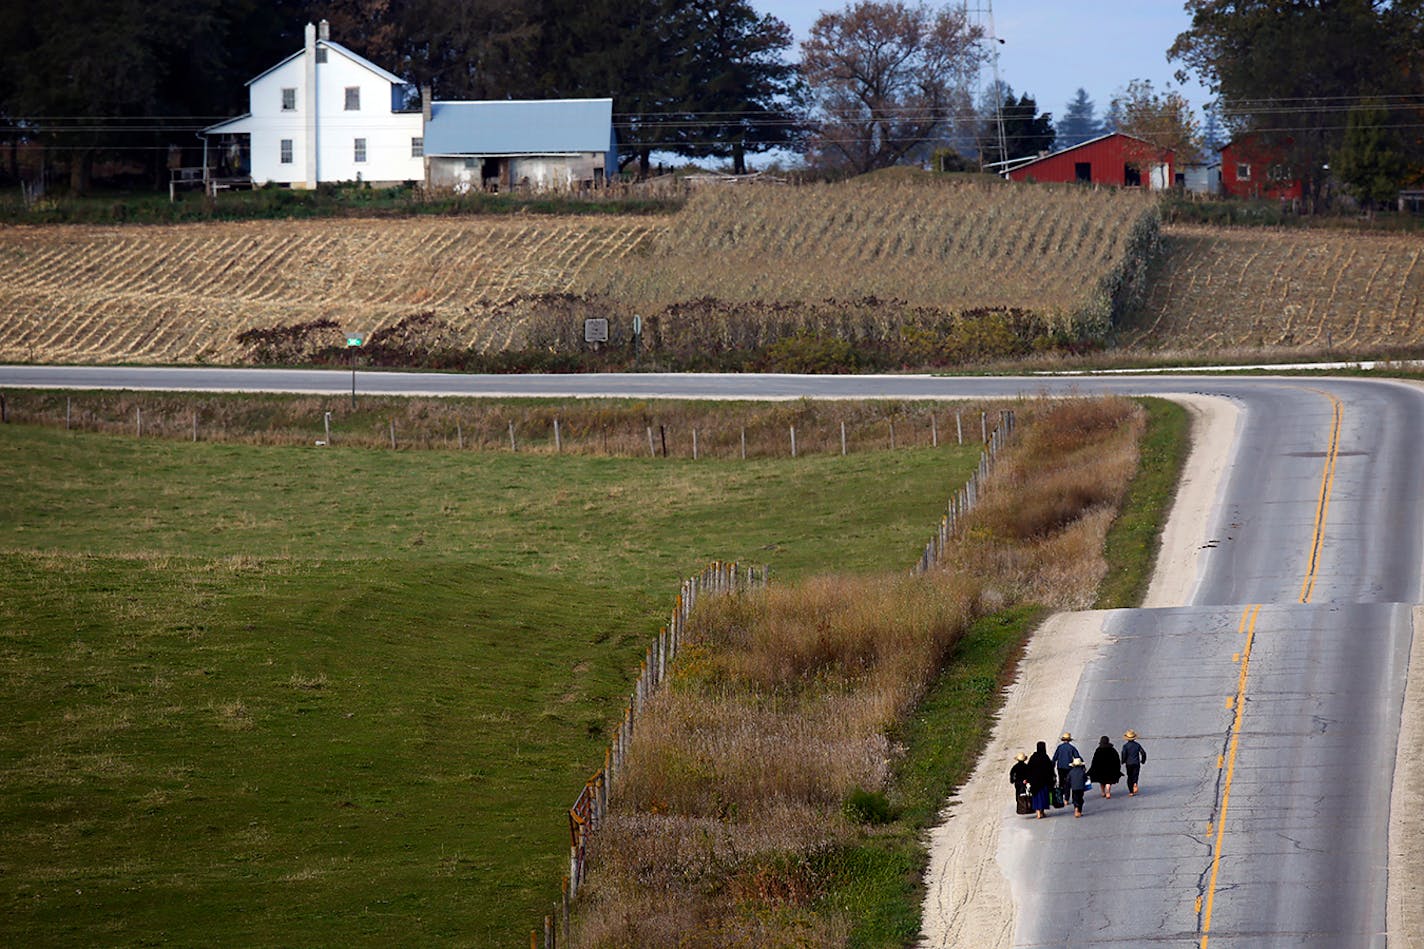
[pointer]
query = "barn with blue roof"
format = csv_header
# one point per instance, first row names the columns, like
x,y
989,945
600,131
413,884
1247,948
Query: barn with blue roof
x,y
549,144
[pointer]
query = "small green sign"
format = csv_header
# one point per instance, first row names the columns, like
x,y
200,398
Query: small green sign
x,y
354,341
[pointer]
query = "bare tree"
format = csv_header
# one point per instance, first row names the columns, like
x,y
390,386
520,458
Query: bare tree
x,y
1163,118
884,79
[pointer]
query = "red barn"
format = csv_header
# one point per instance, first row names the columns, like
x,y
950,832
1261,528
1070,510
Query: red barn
x,y
1112,159
1250,168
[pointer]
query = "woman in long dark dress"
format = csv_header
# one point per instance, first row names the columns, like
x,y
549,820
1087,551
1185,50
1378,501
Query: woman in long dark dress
x,y
1041,775
1106,768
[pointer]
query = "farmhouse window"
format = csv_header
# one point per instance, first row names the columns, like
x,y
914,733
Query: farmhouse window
x,y
321,54
289,100
360,149
286,151
1243,171
472,163
353,98
417,147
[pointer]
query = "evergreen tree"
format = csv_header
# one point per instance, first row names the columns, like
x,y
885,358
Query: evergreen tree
x,y
741,92
1079,122
1027,132
1371,161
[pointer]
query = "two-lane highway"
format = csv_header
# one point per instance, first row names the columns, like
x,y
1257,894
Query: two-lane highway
x,y
1269,702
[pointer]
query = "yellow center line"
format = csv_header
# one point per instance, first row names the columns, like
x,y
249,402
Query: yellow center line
x,y
1322,505
1247,626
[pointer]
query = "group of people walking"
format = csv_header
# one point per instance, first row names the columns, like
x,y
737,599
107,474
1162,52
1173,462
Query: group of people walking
x,y
1041,780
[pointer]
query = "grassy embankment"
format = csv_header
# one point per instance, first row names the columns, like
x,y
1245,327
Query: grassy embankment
x,y
825,845
276,695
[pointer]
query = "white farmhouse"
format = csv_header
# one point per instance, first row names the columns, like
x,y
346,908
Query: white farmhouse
x,y
327,114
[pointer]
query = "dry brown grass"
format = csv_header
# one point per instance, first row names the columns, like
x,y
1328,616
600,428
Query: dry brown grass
x,y
787,700
1300,289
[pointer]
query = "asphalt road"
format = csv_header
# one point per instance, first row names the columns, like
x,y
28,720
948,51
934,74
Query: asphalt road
x,y
1269,704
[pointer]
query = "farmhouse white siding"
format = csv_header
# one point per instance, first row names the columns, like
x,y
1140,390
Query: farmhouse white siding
x,y
326,114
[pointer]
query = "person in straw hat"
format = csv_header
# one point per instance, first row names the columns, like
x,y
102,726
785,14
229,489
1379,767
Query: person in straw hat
x,y
1134,756
1018,778
1063,757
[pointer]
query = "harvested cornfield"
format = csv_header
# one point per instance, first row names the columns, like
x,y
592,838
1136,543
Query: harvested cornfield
x,y
184,293
1234,288
1070,256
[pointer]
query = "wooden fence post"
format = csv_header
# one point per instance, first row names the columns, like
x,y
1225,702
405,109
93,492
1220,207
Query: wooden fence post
x,y
843,443
983,427
793,441
66,413
195,425
651,450
138,420
959,426
934,432
892,434
694,444
558,439
744,443
513,445
459,436
393,434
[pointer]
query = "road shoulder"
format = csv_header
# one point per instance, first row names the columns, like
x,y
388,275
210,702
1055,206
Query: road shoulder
x,y
968,899
1405,900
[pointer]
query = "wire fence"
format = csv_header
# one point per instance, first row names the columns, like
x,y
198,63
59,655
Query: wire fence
x,y
587,813
963,500
590,807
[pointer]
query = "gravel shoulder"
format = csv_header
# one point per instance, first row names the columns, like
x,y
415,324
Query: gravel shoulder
x,y
968,900
1405,907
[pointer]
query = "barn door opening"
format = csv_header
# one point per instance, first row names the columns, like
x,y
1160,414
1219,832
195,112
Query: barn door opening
x,y
1083,171
1131,175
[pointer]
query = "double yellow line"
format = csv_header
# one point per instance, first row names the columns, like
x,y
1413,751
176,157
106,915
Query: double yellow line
x,y
1247,625
1322,505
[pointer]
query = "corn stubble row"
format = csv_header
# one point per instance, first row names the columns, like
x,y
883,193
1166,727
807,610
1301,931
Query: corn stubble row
x,y
738,267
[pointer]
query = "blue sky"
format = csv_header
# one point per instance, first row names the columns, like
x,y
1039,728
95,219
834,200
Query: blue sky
x,y
1051,47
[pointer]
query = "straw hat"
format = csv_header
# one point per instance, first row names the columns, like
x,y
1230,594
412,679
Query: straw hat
x,y
1077,761
1020,757
1066,736
1129,734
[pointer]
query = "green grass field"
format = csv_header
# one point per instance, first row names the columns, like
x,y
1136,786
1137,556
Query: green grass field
x,y
288,696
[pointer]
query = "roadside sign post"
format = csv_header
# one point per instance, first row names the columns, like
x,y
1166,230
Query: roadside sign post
x,y
353,343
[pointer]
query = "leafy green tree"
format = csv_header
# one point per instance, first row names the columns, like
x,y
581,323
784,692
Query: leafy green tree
x,y
1282,67
93,77
1079,123
883,80
1371,162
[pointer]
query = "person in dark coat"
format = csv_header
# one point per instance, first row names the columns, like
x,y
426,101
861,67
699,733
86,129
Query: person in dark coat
x,y
1106,768
1018,774
1077,784
1063,757
1134,756
1040,778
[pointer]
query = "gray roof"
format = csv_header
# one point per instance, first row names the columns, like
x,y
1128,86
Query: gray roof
x,y
534,127
354,57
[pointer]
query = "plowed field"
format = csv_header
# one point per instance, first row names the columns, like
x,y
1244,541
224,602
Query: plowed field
x,y
183,293
1219,288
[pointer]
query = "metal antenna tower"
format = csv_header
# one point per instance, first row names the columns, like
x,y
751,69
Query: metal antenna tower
x,y
980,13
